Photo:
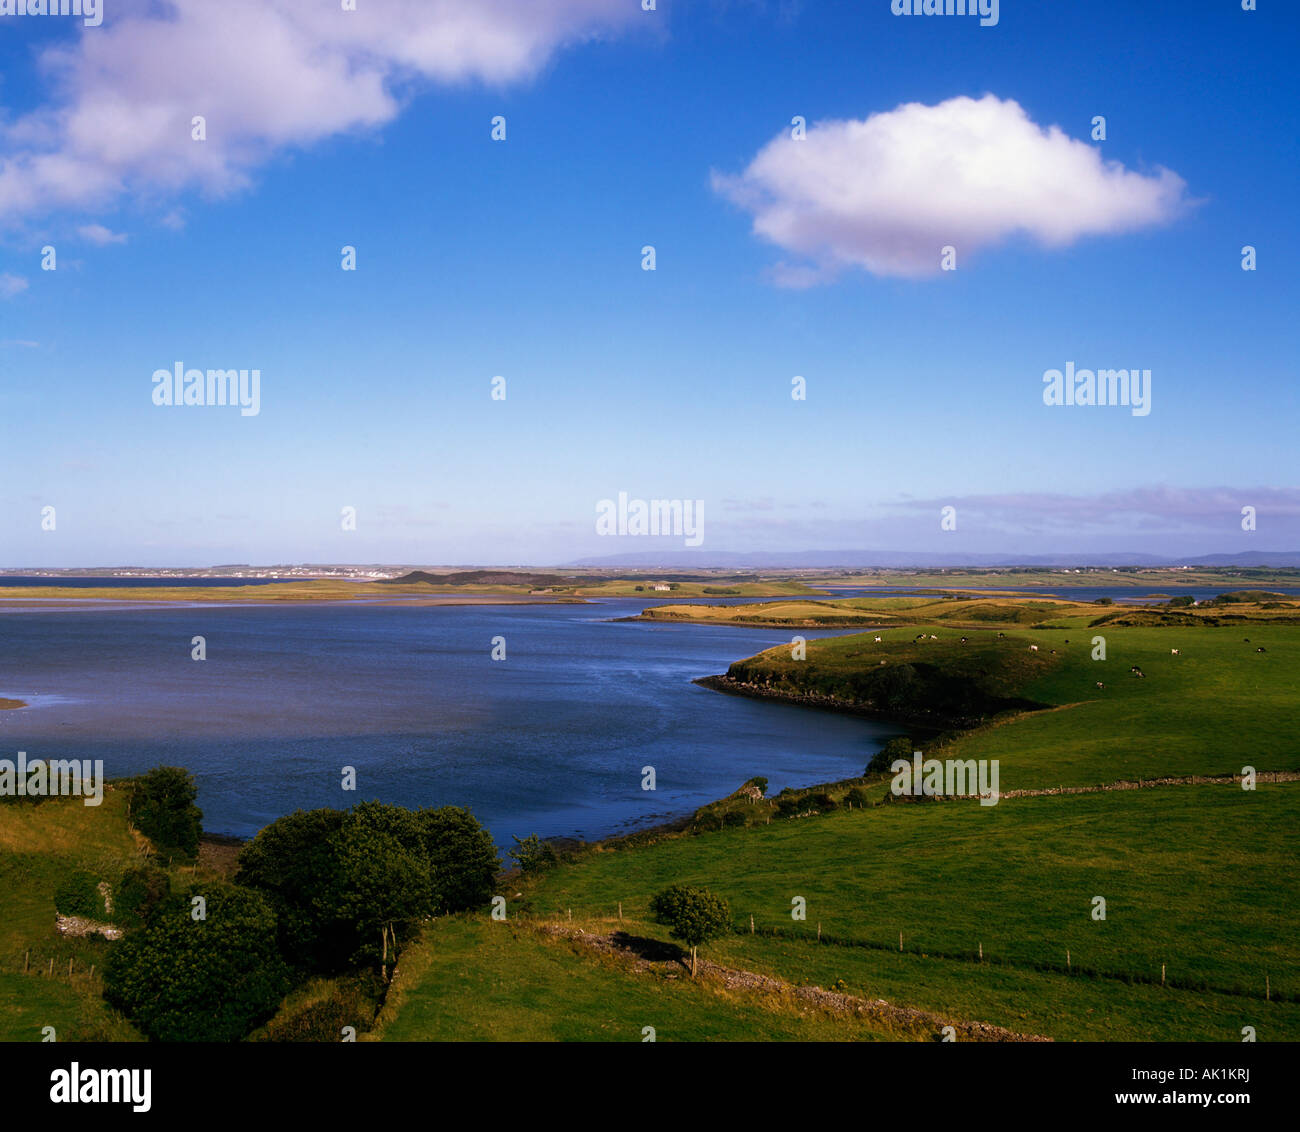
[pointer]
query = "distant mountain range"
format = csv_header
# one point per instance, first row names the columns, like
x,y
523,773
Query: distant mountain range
x,y
895,559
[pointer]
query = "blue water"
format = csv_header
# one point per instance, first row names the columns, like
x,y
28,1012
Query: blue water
x,y
551,740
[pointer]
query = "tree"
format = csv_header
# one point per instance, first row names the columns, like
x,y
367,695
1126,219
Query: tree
x,y
532,854
294,862
462,856
347,885
693,915
212,979
883,759
387,881
163,809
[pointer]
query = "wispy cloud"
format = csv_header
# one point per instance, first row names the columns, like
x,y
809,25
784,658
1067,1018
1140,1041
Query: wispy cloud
x,y
265,75
98,234
11,285
889,192
1147,508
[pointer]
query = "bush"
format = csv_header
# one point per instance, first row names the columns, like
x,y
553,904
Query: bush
x,y
824,802
185,980
760,782
693,915
141,891
462,856
78,895
858,796
733,818
532,854
293,862
163,809
787,805
342,883
883,759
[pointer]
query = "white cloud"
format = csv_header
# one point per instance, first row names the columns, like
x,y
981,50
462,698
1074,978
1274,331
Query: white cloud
x,y
11,285
889,192
265,74
98,234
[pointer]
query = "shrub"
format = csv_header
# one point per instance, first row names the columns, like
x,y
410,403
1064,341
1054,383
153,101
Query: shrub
x,y
532,854
858,796
883,759
163,809
141,891
733,818
185,980
78,895
824,802
787,805
760,782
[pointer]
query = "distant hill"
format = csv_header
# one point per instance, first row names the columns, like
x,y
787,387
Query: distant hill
x,y
480,578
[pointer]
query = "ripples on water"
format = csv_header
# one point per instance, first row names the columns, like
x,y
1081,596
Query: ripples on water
x,y
552,740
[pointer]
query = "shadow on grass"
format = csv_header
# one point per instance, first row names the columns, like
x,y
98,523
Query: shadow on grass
x,y
651,950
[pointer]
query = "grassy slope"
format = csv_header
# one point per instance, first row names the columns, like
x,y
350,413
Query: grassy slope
x,y
1216,707
474,980
39,846
1201,879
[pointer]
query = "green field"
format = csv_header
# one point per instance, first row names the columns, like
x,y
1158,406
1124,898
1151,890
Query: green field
x,y
474,980
995,905
39,845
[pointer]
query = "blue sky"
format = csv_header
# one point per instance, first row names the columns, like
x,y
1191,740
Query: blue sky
x,y
522,258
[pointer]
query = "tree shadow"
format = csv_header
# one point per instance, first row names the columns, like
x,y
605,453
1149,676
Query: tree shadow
x,y
652,950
